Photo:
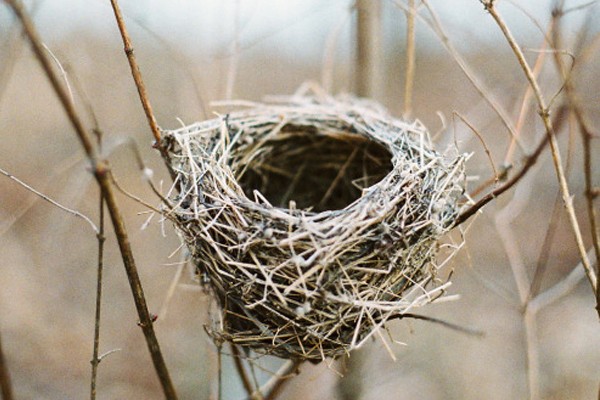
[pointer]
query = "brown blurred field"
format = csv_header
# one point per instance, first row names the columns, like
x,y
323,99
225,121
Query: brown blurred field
x,y
48,257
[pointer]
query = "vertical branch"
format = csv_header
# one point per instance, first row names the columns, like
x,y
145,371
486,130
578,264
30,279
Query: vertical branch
x,y
556,157
101,173
135,72
5,383
409,78
368,46
139,83
95,359
235,56
586,135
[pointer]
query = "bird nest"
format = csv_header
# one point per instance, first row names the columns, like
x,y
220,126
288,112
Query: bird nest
x,y
312,221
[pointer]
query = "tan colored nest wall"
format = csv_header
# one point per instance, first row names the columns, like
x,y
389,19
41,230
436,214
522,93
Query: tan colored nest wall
x,y
361,200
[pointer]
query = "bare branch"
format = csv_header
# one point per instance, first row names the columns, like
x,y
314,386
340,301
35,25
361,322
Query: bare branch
x,y
101,173
556,157
51,201
95,358
368,46
409,77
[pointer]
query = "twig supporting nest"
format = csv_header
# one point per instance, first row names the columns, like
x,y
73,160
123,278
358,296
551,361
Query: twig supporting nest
x,y
313,221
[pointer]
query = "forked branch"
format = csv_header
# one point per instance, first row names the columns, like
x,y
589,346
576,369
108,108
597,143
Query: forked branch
x,y
556,157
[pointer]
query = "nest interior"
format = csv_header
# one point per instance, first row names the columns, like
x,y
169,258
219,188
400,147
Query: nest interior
x,y
313,222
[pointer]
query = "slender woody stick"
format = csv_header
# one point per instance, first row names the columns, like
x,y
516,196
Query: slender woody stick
x,y
409,79
101,170
368,47
135,72
556,158
141,87
95,358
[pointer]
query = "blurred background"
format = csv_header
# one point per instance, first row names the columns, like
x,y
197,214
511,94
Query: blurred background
x,y
192,53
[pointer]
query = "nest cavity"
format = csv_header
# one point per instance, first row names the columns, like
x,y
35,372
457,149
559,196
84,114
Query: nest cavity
x,y
312,221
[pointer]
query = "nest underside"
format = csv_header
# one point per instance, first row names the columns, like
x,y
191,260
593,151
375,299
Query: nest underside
x,y
312,222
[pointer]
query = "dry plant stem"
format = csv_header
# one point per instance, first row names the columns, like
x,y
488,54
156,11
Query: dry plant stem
x,y
139,83
49,200
483,91
525,105
95,359
556,158
239,366
586,133
409,79
135,72
273,388
5,383
528,163
368,46
100,170
485,146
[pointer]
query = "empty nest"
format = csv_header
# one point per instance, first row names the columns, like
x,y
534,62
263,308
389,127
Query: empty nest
x,y
313,221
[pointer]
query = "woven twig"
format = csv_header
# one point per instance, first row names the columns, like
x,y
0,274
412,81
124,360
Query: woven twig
x,y
313,221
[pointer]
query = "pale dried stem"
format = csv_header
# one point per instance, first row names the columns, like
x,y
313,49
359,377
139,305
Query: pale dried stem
x,y
555,150
482,141
526,103
409,77
49,200
234,59
481,89
368,46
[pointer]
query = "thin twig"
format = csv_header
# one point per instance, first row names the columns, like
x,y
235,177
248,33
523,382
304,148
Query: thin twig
x,y
485,146
409,77
95,359
481,89
139,83
49,200
527,164
100,171
5,383
135,72
556,157
525,104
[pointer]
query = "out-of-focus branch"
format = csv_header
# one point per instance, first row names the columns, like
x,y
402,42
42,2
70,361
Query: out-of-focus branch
x,y
368,46
5,383
409,77
556,157
101,170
